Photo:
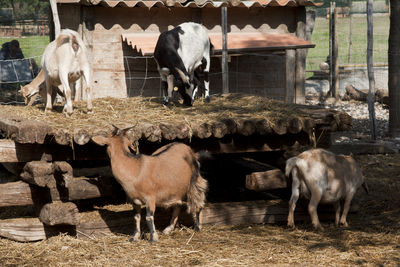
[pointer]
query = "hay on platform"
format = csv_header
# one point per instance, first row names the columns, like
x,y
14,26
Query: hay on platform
x,y
129,111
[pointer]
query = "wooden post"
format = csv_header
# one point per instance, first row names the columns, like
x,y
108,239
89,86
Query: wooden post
x,y
301,54
224,67
370,66
290,76
57,27
335,76
333,52
394,69
350,32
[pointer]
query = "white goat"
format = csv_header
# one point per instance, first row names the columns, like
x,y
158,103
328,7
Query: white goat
x,y
37,86
322,176
65,60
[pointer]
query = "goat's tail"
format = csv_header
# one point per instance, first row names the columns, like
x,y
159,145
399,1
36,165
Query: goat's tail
x,y
196,197
68,38
290,164
365,186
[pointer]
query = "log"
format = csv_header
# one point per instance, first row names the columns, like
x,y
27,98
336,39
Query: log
x,y
39,173
295,125
81,136
183,131
47,174
63,173
62,137
353,93
11,151
168,131
22,130
231,213
246,127
59,213
219,129
267,180
104,171
230,124
263,127
280,126
203,130
22,194
28,229
150,132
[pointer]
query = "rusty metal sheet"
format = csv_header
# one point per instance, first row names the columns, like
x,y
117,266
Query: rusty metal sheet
x,y
145,43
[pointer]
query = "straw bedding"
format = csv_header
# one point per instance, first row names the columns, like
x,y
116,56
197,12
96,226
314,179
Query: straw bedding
x,y
130,111
373,238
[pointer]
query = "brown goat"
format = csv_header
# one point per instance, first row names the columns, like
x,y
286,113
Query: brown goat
x,y
322,176
168,177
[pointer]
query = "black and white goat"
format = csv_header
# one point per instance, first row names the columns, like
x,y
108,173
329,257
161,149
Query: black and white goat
x,y
179,53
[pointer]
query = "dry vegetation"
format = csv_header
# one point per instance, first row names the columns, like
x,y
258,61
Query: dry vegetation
x,y
129,111
373,238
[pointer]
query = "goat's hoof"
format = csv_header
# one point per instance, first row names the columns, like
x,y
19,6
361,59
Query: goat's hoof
x,y
48,110
197,229
153,239
90,111
344,224
319,227
291,226
167,231
133,239
207,99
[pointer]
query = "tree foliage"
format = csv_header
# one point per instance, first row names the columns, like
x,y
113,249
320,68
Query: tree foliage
x,y
27,9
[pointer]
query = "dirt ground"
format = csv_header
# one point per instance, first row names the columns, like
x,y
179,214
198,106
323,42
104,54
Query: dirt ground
x,y
372,239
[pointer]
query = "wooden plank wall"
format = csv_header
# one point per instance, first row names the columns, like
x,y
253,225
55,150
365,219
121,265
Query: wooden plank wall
x,y
117,73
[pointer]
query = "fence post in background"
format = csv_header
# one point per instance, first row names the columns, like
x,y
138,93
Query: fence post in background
x,y
335,56
350,32
224,66
331,48
56,19
370,66
333,53
394,70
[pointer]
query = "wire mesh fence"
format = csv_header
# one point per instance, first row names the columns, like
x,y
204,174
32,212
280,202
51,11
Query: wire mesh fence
x,y
32,35
351,27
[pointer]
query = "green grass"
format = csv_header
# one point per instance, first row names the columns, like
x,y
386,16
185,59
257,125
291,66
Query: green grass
x,y
32,46
320,37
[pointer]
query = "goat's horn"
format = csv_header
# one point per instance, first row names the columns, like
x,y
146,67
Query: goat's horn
x,y
182,75
115,130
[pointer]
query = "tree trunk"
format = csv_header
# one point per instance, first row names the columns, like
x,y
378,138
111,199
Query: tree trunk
x,y
394,69
371,92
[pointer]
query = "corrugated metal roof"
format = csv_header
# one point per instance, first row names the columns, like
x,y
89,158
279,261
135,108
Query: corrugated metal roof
x,y
190,3
145,43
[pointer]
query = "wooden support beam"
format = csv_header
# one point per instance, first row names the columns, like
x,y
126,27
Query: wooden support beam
x,y
47,174
39,173
59,213
107,222
224,62
22,130
22,194
267,180
290,76
11,151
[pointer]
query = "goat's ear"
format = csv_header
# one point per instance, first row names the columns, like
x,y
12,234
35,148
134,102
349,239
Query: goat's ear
x,y
100,140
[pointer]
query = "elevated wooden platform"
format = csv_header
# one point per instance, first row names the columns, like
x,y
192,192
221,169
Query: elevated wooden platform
x,y
57,166
228,124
